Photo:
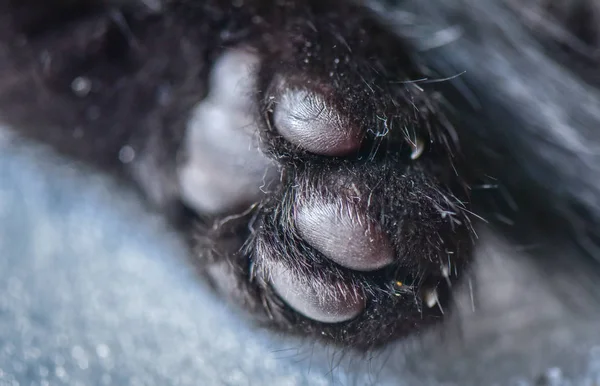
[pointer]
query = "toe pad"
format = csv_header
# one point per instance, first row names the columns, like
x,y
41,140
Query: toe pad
x,y
327,303
307,120
344,234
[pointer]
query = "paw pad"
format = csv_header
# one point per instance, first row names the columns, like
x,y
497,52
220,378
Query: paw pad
x,y
325,302
357,206
343,232
307,120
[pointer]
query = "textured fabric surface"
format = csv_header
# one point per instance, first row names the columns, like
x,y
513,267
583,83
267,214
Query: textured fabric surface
x,y
95,290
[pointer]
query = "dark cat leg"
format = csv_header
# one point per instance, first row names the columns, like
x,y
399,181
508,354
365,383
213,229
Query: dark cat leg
x,y
365,232
352,230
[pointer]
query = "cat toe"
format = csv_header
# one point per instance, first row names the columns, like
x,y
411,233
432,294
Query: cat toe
x,y
325,301
343,232
310,121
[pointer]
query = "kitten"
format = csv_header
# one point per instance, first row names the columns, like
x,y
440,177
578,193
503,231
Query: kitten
x,y
325,168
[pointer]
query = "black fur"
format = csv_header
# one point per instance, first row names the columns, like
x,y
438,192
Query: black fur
x,y
496,121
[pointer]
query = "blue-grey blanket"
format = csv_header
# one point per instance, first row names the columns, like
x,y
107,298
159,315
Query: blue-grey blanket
x,y
96,290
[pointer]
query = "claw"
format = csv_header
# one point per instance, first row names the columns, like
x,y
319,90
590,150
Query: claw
x,y
417,148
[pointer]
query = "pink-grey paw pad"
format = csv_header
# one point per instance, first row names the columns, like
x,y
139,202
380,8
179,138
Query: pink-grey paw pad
x,y
306,119
343,233
322,302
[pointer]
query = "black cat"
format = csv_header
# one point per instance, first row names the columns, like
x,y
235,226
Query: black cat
x,y
328,168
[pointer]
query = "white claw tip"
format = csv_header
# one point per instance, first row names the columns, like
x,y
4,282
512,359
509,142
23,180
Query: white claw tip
x,y
418,148
431,298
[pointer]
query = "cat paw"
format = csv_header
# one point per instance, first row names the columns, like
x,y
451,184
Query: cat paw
x,y
364,238
354,232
